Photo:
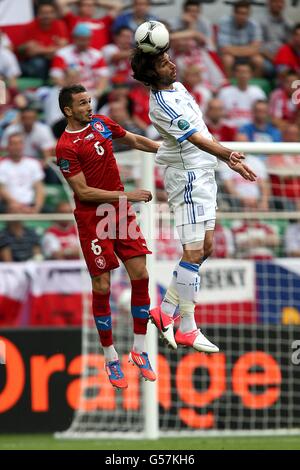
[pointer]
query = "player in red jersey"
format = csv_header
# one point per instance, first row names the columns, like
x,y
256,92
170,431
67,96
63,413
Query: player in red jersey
x,y
106,223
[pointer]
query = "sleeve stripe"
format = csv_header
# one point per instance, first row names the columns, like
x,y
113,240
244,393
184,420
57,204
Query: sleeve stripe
x,y
169,111
185,136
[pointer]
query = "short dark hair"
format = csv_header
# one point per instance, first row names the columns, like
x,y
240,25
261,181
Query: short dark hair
x,y
242,63
189,3
295,28
27,109
121,29
143,66
241,4
15,134
47,3
66,93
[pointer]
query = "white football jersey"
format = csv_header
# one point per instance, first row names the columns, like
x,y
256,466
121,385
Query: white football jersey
x,y
176,116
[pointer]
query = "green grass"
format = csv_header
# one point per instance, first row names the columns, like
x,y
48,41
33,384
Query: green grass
x,y
47,442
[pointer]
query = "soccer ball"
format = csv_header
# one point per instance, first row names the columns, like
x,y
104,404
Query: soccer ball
x,y
152,37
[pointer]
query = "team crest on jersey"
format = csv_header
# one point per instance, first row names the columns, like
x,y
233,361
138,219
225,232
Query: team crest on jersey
x,y
183,124
89,137
98,126
100,262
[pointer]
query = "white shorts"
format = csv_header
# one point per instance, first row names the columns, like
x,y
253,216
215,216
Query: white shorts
x,y
192,195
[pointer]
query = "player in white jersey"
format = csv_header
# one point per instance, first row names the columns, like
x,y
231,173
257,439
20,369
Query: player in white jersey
x,y
189,152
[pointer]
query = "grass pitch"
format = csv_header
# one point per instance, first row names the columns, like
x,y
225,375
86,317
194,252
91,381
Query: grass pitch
x,y
48,442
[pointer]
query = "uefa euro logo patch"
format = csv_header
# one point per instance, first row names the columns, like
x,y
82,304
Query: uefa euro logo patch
x,y
64,165
183,124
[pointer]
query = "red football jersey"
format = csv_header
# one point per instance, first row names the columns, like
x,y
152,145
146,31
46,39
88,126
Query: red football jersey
x,y
46,37
90,151
100,28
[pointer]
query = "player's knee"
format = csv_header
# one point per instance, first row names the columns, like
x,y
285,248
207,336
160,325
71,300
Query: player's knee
x,y
193,256
101,285
140,272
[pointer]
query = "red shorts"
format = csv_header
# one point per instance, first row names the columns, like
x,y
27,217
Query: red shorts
x,y
105,238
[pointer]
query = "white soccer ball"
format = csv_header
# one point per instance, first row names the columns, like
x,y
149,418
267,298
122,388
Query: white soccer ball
x,y
152,37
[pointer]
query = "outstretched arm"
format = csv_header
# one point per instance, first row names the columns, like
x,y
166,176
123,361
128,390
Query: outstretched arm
x,y
213,147
233,159
139,142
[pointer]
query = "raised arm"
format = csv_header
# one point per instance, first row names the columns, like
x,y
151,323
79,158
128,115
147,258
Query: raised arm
x,y
233,159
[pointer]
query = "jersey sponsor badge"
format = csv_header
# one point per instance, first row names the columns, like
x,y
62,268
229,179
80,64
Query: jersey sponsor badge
x,y
89,137
64,165
183,124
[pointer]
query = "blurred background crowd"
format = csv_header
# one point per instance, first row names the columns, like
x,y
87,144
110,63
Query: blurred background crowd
x,y
243,72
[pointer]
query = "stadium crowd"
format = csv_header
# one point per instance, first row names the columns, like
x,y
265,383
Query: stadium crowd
x,y
241,71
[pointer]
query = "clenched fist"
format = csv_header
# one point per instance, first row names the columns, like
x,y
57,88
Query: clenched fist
x,y
139,195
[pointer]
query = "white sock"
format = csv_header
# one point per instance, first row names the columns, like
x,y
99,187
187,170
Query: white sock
x,y
188,285
187,316
110,353
171,298
188,281
139,343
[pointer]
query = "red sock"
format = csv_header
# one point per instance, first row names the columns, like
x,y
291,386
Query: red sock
x,y
102,317
140,304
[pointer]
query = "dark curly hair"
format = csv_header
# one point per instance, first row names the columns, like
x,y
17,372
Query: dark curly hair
x,y
143,67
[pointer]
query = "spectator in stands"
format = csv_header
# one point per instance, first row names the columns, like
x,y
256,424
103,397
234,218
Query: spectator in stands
x,y
260,129
216,123
187,51
87,14
21,179
120,111
19,243
242,195
239,38
51,111
39,140
87,61
255,239
284,107
139,96
284,171
192,19
60,240
9,68
288,56
292,239
42,38
117,56
140,13
192,80
238,99
223,242
275,27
